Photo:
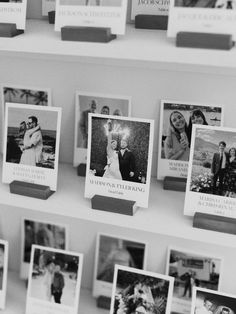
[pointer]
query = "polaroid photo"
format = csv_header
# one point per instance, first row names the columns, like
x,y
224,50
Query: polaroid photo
x,y
86,103
211,182
3,272
176,124
158,7
138,291
206,301
44,233
204,16
47,6
92,13
112,250
31,144
191,269
119,158
13,12
54,281
24,95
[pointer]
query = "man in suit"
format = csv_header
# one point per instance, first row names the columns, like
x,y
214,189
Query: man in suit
x,y
83,123
126,161
218,167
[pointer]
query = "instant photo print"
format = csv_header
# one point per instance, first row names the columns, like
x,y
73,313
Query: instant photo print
x,y
92,13
149,7
31,144
119,158
12,17
140,291
112,250
211,187
54,281
44,233
191,269
176,124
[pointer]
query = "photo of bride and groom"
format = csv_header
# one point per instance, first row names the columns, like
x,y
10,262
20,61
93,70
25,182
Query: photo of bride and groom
x,y
31,137
119,149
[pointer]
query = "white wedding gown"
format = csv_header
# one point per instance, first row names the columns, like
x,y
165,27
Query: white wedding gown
x,y
112,169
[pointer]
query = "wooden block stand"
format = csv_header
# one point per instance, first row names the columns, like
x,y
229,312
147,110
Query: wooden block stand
x,y
51,17
81,170
145,21
204,40
9,30
90,34
214,223
114,205
174,184
104,302
32,190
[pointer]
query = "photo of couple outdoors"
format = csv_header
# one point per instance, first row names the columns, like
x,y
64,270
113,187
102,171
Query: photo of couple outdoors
x,y
31,137
119,149
140,294
178,121
210,303
54,277
212,4
214,163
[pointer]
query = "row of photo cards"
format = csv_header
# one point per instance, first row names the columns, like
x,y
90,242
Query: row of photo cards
x,y
191,283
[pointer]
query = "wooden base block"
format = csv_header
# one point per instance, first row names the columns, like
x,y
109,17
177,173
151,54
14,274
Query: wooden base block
x,y
114,205
104,302
32,190
9,30
51,17
81,170
145,21
204,40
90,34
175,184
214,223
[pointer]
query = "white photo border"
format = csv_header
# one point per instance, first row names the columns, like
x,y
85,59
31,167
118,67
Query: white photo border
x,y
5,275
17,14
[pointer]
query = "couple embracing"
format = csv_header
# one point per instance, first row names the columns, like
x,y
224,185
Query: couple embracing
x,y
120,163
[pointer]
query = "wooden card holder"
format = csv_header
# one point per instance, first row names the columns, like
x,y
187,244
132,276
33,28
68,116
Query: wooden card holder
x,y
104,302
214,223
51,17
29,189
9,30
89,34
114,205
145,21
174,184
204,40
81,170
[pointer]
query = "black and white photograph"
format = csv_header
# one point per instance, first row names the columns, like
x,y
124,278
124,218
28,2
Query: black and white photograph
x,y
92,13
86,103
99,3
213,4
119,154
137,291
149,7
205,16
13,11
212,174
54,281
112,250
176,124
32,136
42,233
191,269
206,301
3,272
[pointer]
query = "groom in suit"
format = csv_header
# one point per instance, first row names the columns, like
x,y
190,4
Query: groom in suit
x,y
126,161
218,167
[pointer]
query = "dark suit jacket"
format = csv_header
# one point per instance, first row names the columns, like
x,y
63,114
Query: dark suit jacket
x,y
215,166
127,164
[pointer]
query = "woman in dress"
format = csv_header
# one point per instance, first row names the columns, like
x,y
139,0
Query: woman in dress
x,y
176,144
196,117
47,280
28,156
230,178
112,169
